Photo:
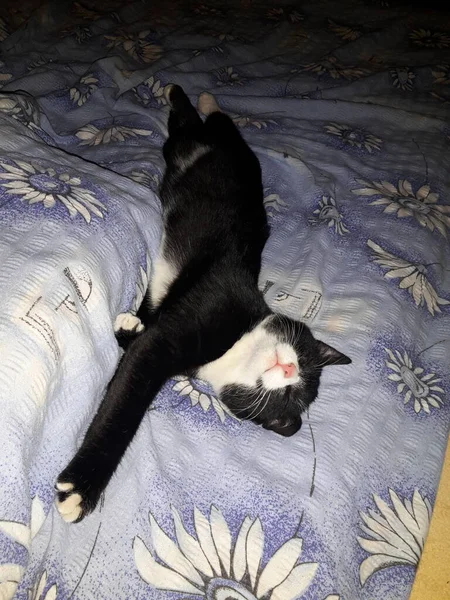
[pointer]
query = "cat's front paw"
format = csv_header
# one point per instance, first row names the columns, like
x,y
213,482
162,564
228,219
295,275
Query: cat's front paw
x,y
129,323
77,496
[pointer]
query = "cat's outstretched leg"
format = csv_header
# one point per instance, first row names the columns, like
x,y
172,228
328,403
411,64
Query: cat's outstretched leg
x,y
141,373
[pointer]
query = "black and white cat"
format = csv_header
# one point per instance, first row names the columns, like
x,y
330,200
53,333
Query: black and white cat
x,y
204,315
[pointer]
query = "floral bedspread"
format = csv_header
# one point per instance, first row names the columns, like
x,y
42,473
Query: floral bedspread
x,y
347,107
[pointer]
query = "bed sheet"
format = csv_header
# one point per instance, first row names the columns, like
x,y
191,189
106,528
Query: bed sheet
x,y
347,107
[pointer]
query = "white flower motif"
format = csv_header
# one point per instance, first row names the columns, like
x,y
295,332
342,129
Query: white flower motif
x,y
36,184
402,201
327,212
212,566
92,136
150,90
227,76
354,137
80,33
345,32
441,74
412,278
38,62
3,30
281,14
21,108
247,121
403,78
443,99
203,10
330,66
136,45
151,180
4,77
81,12
37,592
193,389
397,535
422,387
11,574
84,89
272,202
429,39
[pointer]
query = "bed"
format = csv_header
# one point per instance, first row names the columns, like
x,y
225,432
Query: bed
x,y
347,108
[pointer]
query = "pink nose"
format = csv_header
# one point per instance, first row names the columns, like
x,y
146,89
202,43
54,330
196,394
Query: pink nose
x,y
288,370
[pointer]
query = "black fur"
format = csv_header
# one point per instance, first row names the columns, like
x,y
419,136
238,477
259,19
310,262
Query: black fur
x,y
216,229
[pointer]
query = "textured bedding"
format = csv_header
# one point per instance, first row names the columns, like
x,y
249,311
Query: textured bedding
x,y
347,107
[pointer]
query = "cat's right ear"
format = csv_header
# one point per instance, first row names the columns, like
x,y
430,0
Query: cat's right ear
x,y
330,356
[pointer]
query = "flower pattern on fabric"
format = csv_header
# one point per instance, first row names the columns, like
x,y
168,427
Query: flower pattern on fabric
x,y
138,46
37,592
251,121
412,278
403,78
83,90
194,390
150,180
402,201
333,68
227,76
150,91
22,108
413,382
80,33
211,565
90,135
272,202
345,32
429,39
396,535
37,184
39,62
328,213
3,30
4,77
284,14
11,574
354,137
441,75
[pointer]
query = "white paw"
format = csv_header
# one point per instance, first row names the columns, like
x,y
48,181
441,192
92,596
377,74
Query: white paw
x,y
69,508
128,322
207,104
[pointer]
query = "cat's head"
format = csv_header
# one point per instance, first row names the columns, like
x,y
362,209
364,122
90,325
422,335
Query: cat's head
x,y
272,374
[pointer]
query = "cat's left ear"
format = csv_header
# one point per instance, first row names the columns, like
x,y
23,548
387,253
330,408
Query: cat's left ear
x,y
330,356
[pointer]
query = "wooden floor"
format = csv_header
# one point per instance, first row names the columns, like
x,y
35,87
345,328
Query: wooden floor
x,y
433,576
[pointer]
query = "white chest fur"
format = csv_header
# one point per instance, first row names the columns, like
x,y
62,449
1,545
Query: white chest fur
x,y
164,274
252,358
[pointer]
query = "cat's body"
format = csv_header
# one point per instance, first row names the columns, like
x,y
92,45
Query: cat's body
x,y
204,314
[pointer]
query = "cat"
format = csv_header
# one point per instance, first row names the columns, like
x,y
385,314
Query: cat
x,y
204,315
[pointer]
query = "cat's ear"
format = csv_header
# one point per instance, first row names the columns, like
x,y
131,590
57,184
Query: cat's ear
x,y
330,356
